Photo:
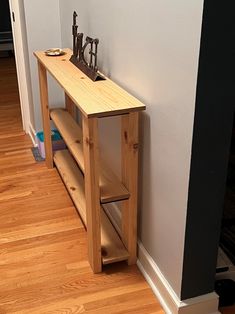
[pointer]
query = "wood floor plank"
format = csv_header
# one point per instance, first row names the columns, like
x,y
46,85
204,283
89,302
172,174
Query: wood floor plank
x,y
43,245
228,310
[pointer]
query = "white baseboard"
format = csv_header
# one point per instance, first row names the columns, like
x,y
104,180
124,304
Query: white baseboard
x,y
205,304
32,134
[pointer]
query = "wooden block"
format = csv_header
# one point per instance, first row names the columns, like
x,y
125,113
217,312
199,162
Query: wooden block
x,y
111,188
130,148
45,114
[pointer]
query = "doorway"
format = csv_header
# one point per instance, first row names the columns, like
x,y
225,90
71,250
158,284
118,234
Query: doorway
x,y
18,25
10,111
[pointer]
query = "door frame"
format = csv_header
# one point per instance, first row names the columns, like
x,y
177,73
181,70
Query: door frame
x,y
22,65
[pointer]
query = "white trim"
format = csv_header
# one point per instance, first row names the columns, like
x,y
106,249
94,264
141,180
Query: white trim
x,y
32,134
205,304
155,289
157,281
22,62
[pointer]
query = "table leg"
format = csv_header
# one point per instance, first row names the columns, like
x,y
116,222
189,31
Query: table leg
x,y
130,148
45,114
71,108
92,191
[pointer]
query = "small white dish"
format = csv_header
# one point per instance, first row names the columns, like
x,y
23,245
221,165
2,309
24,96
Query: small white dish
x,y
54,52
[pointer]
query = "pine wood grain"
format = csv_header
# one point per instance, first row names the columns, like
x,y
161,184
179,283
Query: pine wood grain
x,y
130,152
70,106
92,191
88,154
44,266
113,249
111,189
45,114
94,99
73,180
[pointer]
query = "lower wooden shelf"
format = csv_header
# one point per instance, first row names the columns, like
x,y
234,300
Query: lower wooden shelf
x,y
113,250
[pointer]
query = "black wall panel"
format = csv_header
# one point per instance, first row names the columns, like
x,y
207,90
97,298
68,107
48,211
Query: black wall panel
x,y
215,102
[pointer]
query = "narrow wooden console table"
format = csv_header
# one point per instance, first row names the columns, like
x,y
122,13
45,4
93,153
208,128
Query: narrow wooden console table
x,y
89,181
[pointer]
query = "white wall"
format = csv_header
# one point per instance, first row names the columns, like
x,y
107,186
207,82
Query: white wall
x,y
66,13
151,48
43,32
22,63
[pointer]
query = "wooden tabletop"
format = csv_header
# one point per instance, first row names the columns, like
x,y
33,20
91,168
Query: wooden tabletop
x,y
94,99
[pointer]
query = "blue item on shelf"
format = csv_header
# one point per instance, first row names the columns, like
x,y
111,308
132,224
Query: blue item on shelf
x,y
55,135
57,142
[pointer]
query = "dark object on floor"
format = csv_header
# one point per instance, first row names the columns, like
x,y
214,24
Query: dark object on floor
x,y
36,154
222,269
225,288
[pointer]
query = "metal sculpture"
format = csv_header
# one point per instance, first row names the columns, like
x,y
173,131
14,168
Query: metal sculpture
x,y
78,58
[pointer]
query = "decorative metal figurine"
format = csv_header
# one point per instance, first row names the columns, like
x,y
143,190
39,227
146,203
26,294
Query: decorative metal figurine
x,y
90,67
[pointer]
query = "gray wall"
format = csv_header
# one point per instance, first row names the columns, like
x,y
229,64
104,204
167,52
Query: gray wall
x,y
151,48
66,16
43,31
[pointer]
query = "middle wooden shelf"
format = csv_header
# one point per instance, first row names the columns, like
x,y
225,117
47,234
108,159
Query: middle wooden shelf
x,y
111,189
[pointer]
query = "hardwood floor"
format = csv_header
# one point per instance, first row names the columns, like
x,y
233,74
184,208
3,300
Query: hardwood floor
x,y
10,116
43,244
228,310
